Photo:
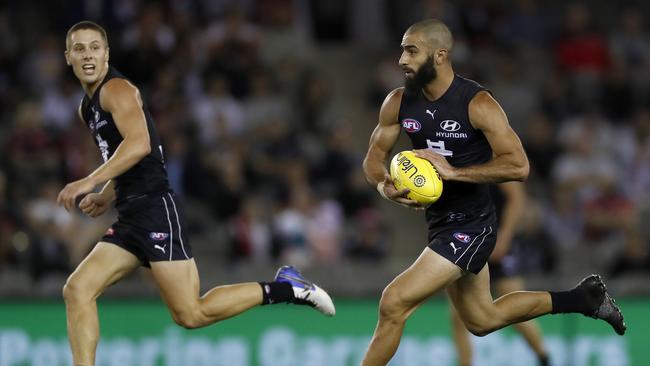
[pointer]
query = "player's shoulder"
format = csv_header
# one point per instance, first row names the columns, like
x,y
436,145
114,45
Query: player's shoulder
x,y
116,82
485,111
397,92
118,90
395,95
390,108
482,99
118,85
394,98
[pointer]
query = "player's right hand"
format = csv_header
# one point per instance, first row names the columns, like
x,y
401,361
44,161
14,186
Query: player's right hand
x,y
94,204
388,191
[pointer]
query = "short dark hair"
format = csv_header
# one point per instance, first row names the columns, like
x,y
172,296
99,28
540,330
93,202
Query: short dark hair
x,y
86,24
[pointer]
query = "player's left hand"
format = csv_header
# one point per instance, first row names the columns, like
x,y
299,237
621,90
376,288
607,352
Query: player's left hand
x,y
71,191
441,164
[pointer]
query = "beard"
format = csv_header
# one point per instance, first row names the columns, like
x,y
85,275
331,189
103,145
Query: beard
x,y
425,74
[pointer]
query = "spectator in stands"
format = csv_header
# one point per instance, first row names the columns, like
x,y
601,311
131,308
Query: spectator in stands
x,y
233,67
249,231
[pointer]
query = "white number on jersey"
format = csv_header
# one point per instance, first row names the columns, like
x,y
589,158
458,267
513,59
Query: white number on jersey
x,y
439,147
103,147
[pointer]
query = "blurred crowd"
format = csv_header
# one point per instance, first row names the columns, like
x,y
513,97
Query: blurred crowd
x,y
248,121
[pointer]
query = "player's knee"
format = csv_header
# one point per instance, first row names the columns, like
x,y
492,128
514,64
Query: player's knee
x,y
481,329
67,292
188,319
391,306
74,291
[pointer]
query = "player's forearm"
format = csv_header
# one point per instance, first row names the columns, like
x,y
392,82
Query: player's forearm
x,y
497,170
126,156
374,170
108,190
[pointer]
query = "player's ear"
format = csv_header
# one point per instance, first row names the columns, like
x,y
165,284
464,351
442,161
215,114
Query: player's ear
x,y
67,57
441,55
107,53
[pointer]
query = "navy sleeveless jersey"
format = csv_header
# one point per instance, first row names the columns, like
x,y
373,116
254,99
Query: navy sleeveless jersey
x,y
149,174
443,125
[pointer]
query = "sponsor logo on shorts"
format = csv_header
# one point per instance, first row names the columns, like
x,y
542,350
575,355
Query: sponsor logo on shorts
x,y
411,125
462,237
158,236
453,247
110,231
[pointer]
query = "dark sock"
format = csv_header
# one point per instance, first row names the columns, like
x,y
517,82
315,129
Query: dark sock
x,y
276,292
573,301
543,360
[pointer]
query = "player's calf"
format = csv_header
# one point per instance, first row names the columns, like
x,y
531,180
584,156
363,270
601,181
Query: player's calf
x,y
590,298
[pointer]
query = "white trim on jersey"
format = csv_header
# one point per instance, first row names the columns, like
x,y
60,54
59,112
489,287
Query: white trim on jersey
x,y
171,231
478,246
178,222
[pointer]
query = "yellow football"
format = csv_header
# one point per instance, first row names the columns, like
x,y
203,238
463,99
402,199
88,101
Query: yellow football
x,y
416,174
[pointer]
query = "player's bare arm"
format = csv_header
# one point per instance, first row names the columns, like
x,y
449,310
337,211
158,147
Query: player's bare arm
x,y
95,204
382,140
515,202
123,101
509,161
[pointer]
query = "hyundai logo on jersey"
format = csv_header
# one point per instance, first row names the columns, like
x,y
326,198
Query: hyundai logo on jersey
x,y
158,236
411,125
450,125
462,237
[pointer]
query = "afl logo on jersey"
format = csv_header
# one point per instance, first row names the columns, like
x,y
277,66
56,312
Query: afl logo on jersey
x,y
450,125
411,125
463,238
158,236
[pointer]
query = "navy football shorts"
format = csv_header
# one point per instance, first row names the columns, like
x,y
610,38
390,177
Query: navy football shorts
x,y
468,246
151,227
